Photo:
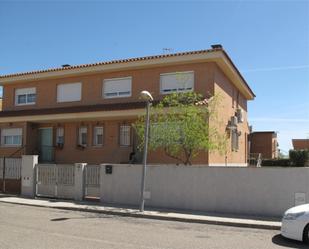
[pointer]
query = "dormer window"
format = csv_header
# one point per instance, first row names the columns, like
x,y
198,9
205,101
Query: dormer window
x,y
25,96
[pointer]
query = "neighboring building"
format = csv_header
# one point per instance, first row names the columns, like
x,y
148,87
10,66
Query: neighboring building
x,y
264,142
300,144
84,113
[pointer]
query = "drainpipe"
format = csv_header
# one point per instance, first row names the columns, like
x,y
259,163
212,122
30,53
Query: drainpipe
x,y
3,176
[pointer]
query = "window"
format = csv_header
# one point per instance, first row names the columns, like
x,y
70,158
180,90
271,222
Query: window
x,y
82,136
117,88
69,92
125,135
11,137
98,135
25,96
176,82
60,136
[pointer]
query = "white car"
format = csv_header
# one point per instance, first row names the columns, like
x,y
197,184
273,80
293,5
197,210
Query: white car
x,y
295,223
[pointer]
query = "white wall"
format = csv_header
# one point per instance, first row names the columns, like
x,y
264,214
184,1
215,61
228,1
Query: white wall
x,y
122,186
236,190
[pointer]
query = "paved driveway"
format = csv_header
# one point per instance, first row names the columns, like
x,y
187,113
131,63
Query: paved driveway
x,y
33,227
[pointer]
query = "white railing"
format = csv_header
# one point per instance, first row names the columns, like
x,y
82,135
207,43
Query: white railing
x,y
46,174
58,180
65,174
92,181
55,180
50,174
92,175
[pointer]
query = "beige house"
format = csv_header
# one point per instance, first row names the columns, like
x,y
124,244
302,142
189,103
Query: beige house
x,y
84,113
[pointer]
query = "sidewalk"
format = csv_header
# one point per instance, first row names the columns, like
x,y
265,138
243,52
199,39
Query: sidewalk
x,y
160,214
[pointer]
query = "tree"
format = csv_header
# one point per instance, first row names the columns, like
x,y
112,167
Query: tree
x,y
179,125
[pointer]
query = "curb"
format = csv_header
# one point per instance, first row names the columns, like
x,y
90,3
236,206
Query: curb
x,y
158,217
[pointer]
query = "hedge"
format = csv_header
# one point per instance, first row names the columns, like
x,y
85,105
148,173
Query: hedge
x,y
276,162
299,158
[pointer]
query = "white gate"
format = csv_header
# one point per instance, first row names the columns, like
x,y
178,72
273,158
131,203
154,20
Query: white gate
x,y
92,182
54,180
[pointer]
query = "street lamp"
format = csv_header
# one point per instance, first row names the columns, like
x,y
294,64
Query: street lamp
x,y
145,95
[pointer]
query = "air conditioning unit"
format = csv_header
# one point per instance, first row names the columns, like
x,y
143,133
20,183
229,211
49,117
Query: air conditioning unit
x,y
239,115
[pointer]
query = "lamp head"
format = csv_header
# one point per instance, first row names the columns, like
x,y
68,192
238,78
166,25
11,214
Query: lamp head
x,y
146,96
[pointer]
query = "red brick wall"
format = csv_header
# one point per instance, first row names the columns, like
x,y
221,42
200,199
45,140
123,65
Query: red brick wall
x,y
208,78
229,100
264,143
143,79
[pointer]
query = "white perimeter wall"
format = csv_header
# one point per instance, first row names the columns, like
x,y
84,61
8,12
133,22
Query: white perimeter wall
x,y
236,190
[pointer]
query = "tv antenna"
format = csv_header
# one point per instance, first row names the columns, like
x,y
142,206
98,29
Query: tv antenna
x,y
167,50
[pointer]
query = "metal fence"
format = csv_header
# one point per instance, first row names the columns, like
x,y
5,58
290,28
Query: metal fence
x,y
58,181
12,168
55,180
92,181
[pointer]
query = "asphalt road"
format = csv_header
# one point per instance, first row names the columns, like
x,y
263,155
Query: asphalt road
x,y
33,227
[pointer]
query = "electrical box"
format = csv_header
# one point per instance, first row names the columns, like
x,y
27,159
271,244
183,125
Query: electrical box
x,y
108,169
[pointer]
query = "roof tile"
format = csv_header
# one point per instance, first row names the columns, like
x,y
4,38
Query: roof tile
x,y
110,62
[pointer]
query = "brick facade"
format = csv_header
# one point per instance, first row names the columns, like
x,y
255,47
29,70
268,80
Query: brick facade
x,y
94,110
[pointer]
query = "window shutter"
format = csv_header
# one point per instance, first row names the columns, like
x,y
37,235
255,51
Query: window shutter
x,y
11,132
11,136
120,87
177,82
69,92
22,91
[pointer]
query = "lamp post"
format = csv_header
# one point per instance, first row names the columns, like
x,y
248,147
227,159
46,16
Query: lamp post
x,y
148,98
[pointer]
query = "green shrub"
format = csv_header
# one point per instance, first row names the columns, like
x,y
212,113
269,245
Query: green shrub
x,y
299,158
276,162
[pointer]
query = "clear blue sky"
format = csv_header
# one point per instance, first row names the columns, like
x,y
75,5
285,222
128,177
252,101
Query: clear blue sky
x,y
267,40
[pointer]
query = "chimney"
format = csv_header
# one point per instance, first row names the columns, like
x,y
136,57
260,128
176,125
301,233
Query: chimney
x,y
216,46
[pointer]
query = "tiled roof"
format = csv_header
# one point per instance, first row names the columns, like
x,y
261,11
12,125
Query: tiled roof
x,y
144,58
300,144
112,62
